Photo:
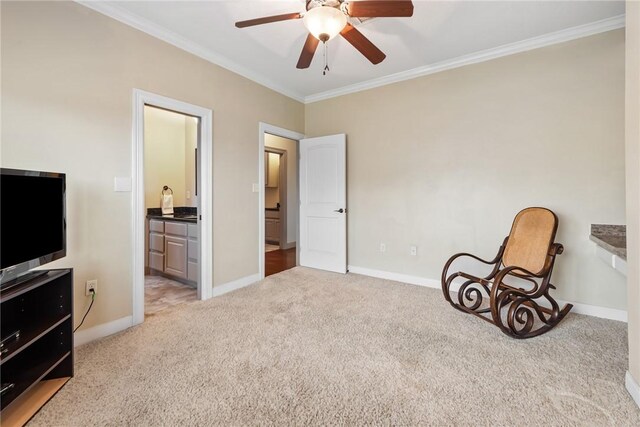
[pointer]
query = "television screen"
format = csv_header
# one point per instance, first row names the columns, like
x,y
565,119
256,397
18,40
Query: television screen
x,y
32,218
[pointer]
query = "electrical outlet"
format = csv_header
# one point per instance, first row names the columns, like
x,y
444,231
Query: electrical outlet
x,y
91,284
413,250
383,247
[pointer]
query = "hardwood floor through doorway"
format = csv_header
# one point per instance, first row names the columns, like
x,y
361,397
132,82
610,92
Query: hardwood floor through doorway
x,y
280,260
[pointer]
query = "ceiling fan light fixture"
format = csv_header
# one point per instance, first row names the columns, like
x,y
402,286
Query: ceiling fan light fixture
x,y
324,22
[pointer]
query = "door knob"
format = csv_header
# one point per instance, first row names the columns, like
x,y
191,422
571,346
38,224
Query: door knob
x,y
340,210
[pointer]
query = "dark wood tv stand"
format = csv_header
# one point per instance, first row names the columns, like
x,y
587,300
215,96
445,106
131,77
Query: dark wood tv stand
x,y
36,357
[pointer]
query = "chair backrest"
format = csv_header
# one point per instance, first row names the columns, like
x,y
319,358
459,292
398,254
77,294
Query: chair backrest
x,y
531,236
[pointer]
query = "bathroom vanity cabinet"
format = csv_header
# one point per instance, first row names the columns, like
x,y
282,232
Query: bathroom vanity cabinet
x,y
173,248
272,226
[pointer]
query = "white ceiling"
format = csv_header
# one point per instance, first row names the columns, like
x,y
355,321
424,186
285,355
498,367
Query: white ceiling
x,y
440,33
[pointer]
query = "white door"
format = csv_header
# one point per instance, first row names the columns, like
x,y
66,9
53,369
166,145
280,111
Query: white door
x,y
323,203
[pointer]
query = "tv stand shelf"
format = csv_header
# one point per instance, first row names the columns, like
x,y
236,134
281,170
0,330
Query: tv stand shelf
x,y
36,357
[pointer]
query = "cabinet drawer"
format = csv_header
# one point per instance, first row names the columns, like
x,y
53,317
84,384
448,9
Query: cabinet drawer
x,y
156,261
175,228
272,214
156,225
193,231
192,250
192,271
156,242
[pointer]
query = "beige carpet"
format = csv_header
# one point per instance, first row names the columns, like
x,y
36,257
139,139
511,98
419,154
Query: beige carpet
x,y
307,347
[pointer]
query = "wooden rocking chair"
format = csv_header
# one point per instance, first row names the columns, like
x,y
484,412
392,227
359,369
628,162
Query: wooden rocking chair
x,y
526,255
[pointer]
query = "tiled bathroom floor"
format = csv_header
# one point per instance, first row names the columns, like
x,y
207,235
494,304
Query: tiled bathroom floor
x,y
161,293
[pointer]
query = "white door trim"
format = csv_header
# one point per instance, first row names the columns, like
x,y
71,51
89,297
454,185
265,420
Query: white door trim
x,y
205,194
284,133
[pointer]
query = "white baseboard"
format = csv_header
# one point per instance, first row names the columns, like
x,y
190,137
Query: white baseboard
x,y
589,310
235,284
404,278
84,336
632,387
596,311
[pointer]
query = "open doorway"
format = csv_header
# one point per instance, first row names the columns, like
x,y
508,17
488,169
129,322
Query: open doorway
x,y
174,246
279,199
171,207
280,193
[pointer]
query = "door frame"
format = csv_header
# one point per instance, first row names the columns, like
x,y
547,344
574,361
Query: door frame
x,y
205,193
264,128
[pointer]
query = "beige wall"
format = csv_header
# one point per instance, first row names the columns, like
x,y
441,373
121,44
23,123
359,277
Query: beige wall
x,y
633,182
291,147
164,156
445,161
67,79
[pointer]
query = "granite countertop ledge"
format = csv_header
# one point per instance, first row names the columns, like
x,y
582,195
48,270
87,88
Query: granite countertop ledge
x,y
612,238
182,214
178,218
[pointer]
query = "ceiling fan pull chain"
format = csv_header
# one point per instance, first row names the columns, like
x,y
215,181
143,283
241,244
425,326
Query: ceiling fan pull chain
x,y
326,60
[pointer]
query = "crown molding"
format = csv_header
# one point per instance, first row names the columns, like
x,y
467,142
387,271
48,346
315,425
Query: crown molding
x,y
561,36
180,42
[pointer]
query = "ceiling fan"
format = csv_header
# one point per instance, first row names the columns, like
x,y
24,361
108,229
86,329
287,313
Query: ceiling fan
x,y
325,19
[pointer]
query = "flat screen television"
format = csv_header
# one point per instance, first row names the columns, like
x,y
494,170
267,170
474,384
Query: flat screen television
x,y
33,228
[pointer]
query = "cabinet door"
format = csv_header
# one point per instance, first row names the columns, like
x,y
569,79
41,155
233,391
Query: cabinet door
x,y
276,231
175,256
269,229
156,242
156,261
192,250
272,230
192,269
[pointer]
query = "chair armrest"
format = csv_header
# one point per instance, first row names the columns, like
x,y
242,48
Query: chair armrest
x,y
528,276
511,269
556,249
494,261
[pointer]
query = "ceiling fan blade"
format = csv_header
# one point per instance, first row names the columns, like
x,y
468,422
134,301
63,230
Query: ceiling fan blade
x,y
309,49
363,44
380,8
268,19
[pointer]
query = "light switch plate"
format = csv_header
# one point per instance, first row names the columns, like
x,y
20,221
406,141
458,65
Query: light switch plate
x,y
122,184
255,188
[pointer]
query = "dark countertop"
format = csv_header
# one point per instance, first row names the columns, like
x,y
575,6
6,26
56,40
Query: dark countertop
x,y
612,238
271,209
180,213
176,217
